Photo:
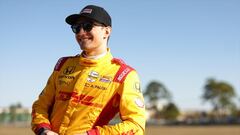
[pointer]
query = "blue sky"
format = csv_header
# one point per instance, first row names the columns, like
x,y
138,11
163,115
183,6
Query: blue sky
x,y
178,43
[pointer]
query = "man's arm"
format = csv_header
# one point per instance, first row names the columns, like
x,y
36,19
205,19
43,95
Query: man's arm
x,y
41,106
132,110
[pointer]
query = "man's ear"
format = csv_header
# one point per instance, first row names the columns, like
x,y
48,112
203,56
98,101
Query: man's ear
x,y
108,31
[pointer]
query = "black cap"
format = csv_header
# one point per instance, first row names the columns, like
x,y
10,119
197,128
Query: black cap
x,y
92,12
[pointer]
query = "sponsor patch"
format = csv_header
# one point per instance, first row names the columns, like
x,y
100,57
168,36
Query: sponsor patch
x,y
95,86
87,10
69,70
62,82
123,74
66,77
137,87
92,76
139,102
89,79
105,79
78,99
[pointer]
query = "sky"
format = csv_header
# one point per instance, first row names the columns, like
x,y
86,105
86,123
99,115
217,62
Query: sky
x,y
177,43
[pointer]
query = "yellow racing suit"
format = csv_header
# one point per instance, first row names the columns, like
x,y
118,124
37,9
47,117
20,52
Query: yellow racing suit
x,y
83,95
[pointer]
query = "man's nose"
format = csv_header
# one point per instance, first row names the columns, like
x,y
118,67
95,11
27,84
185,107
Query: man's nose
x,y
81,31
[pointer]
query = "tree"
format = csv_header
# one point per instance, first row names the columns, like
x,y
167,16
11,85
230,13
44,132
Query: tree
x,y
169,112
158,98
155,92
219,94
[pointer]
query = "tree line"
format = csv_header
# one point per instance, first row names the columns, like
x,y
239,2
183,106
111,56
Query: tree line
x,y
220,94
16,114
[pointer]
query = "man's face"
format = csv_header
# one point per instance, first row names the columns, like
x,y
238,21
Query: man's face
x,y
94,39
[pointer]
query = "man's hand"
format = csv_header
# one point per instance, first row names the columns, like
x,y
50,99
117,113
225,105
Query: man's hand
x,y
49,132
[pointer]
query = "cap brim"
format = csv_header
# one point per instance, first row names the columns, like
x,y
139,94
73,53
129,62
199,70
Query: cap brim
x,y
72,19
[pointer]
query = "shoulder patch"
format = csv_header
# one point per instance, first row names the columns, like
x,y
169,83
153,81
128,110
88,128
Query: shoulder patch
x,y
60,63
122,72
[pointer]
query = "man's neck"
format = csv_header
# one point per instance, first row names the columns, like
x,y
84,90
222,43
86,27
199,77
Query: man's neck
x,y
86,55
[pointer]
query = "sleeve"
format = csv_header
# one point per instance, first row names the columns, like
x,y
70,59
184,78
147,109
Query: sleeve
x,y
131,108
42,106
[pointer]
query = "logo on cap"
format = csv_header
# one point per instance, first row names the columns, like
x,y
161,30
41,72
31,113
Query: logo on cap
x,y
87,10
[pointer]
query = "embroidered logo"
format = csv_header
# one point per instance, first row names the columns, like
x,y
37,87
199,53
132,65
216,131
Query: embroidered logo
x,y
139,102
137,87
105,79
87,10
125,72
92,76
69,70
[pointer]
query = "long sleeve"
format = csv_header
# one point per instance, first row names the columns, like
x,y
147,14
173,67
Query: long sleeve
x,y
42,106
131,108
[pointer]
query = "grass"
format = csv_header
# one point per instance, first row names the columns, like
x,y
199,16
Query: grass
x,y
153,130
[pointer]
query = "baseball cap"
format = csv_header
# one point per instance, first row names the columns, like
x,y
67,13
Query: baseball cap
x,y
92,12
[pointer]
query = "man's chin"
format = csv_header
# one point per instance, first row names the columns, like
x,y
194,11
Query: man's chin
x,y
85,48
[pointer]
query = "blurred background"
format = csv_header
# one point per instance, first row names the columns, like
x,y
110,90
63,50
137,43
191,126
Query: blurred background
x,y
186,52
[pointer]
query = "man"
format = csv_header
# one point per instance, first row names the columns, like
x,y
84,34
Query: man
x,y
84,92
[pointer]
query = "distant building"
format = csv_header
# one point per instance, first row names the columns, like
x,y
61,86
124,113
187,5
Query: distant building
x,y
15,115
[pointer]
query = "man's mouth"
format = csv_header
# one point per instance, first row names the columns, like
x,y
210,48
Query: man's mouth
x,y
84,39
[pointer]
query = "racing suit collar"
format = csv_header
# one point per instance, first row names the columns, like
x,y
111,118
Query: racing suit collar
x,y
94,62
94,57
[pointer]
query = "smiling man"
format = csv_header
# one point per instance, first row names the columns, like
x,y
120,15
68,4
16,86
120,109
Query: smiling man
x,y
86,91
